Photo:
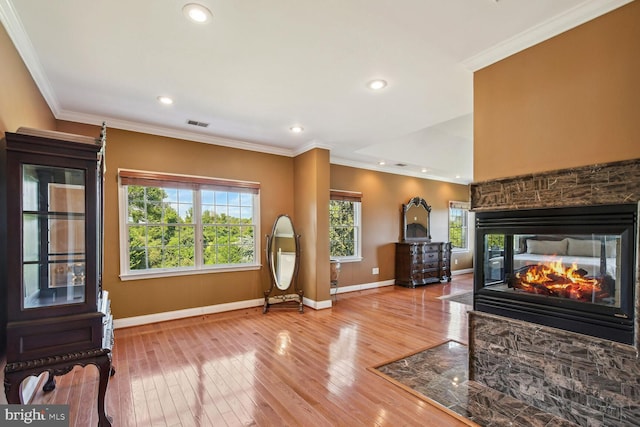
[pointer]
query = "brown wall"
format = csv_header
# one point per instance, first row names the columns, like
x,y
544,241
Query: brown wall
x,y
298,187
311,176
382,197
572,100
21,103
131,150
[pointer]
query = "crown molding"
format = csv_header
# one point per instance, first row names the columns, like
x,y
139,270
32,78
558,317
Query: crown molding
x,y
173,133
20,39
313,144
394,170
189,136
572,18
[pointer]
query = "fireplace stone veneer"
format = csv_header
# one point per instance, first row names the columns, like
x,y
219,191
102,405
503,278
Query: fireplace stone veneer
x,y
601,184
585,379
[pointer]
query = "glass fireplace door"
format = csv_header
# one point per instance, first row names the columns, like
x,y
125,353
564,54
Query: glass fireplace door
x,y
581,267
571,268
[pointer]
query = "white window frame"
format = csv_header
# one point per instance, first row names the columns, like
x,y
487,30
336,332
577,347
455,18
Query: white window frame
x,y
465,207
199,268
356,198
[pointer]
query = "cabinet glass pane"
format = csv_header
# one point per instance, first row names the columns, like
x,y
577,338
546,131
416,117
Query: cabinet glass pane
x,y
53,203
31,231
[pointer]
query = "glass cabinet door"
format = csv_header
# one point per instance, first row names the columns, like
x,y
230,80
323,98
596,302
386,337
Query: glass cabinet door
x,y
53,221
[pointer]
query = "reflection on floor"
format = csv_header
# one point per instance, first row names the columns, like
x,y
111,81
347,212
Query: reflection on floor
x,y
441,374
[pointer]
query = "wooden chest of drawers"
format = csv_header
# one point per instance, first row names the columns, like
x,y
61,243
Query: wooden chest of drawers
x,y
420,263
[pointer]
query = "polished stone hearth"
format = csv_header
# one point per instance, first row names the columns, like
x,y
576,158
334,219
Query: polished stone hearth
x,y
440,374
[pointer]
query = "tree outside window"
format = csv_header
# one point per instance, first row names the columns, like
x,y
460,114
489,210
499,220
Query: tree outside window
x,y
344,224
459,225
182,225
159,236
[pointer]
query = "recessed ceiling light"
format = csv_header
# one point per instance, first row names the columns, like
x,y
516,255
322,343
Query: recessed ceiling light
x,y
165,100
457,176
382,163
424,170
197,13
296,129
377,84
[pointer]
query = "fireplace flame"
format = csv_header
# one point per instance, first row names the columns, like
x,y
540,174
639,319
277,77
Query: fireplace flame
x,y
554,279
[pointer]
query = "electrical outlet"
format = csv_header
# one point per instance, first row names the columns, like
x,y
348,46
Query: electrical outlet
x,y
455,261
375,270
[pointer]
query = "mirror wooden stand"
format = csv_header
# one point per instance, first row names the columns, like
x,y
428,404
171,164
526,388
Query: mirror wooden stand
x,y
283,258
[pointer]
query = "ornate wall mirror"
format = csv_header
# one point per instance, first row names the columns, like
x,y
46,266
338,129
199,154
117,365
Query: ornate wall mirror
x,y
416,221
283,258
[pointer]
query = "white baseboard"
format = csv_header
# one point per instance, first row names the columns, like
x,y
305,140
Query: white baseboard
x,y
364,286
463,271
317,305
351,288
189,312
220,308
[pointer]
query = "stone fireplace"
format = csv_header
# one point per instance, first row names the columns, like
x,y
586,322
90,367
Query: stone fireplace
x,y
555,320
571,267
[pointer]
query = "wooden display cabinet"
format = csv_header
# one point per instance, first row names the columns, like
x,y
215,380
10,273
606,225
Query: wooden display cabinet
x,y
53,249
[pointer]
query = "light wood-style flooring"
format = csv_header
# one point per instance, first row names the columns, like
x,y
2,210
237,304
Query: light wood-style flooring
x,y
245,368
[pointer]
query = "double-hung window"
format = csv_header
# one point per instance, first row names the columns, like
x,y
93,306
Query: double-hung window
x,y
459,225
345,228
177,224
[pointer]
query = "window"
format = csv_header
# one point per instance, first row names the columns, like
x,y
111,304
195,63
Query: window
x,y
459,225
176,224
344,225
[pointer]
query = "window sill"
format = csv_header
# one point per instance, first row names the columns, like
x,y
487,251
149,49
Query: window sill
x,y
159,274
347,259
459,250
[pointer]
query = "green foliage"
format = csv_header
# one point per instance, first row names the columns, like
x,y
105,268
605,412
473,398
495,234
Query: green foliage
x,y
457,237
458,228
494,241
162,231
342,230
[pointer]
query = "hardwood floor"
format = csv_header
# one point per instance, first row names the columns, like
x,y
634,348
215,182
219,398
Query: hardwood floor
x,y
245,368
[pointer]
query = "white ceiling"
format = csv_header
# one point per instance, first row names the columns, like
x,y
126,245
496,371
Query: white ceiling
x,y
262,66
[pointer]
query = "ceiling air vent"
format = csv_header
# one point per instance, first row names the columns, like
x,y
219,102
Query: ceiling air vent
x,y
197,123
401,165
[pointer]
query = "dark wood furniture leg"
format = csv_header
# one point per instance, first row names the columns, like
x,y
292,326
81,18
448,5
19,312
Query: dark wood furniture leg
x,y
50,385
16,372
